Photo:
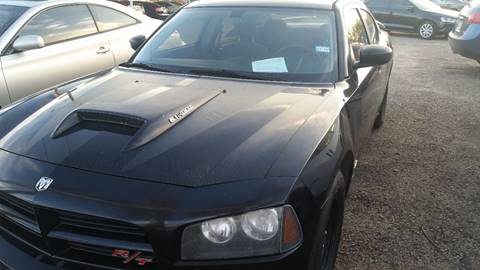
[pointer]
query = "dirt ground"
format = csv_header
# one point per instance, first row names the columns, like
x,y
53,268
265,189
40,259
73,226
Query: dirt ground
x,y
415,201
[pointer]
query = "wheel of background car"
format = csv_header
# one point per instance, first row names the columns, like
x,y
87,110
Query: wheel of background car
x,y
427,29
327,237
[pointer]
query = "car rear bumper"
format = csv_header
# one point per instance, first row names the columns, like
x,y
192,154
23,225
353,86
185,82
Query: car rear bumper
x,y
466,47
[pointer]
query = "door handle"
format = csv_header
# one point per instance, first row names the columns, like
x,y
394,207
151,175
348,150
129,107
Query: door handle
x,y
103,50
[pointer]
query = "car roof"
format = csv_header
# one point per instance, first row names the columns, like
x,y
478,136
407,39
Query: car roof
x,y
319,4
28,4
35,6
40,4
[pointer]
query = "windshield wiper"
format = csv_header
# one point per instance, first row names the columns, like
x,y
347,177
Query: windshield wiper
x,y
145,67
233,74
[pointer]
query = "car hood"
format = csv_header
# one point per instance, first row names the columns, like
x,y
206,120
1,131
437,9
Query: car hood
x,y
188,131
447,12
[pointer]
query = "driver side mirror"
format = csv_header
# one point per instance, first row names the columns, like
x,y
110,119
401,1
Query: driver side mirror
x,y
374,55
29,42
137,41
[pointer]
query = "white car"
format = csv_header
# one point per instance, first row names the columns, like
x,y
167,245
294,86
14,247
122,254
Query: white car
x,y
45,43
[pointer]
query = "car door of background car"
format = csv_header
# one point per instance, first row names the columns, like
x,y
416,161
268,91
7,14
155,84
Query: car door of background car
x,y
119,28
404,15
73,48
4,97
381,10
370,81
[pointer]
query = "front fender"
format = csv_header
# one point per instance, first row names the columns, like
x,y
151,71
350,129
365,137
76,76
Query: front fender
x,y
330,156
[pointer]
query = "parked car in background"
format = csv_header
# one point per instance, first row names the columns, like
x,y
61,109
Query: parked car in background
x,y
157,9
45,43
465,38
450,4
416,16
228,142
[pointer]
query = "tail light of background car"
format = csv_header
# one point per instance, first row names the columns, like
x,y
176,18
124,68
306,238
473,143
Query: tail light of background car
x,y
161,10
474,18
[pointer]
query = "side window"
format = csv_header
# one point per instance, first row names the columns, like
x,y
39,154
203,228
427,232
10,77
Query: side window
x,y
377,3
371,26
400,4
110,19
357,35
61,24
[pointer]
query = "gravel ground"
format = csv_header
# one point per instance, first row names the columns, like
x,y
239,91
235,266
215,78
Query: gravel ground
x,y
415,201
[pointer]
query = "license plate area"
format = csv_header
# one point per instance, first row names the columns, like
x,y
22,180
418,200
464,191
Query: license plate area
x,y
459,26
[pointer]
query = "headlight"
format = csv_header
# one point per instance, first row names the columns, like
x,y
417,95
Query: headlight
x,y
448,20
261,225
219,230
258,233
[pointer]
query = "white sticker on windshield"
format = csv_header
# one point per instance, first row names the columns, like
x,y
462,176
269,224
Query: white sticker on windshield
x,y
322,49
272,65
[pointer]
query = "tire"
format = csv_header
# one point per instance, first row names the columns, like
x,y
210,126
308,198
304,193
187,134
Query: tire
x,y
427,29
328,235
380,120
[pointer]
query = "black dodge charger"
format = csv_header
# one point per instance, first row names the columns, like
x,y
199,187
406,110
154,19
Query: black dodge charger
x,y
229,141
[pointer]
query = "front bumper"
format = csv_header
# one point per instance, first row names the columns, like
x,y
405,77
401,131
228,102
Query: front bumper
x,y
84,217
15,255
445,28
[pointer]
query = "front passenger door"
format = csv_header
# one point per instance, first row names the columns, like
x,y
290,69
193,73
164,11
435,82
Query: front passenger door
x,y
364,104
72,49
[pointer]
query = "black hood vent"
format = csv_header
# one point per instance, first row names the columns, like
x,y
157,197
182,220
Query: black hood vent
x,y
140,129
99,120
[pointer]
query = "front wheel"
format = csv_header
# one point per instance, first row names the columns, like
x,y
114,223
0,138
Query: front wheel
x,y
427,29
328,235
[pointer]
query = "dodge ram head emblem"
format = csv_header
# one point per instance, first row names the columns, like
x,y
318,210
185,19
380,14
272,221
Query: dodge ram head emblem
x,y
43,184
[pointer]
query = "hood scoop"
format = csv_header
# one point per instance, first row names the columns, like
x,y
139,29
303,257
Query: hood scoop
x,y
99,120
141,130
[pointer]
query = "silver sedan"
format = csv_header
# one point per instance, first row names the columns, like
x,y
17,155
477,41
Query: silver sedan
x,y
46,43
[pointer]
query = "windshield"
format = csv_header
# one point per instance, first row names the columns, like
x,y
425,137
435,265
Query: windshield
x,y
8,14
255,43
425,5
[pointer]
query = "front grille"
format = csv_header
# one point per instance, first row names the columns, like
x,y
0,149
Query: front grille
x,y
18,218
97,227
73,237
18,205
